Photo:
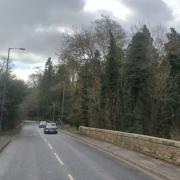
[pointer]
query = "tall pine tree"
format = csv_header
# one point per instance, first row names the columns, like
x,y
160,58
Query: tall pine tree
x,y
138,73
111,84
172,48
45,93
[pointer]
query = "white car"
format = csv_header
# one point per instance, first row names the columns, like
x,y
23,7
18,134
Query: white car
x,y
50,128
42,124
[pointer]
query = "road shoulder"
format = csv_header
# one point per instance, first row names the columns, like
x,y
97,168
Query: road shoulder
x,y
4,141
143,162
7,137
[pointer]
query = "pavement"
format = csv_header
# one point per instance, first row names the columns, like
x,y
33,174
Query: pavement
x,y
157,167
35,156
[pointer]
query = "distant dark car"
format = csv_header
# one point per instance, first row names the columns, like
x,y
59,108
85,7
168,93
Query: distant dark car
x,y
42,124
50,128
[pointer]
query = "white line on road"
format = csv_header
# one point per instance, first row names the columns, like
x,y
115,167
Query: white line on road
x,y
50,146
44,139
60,161
70,177
40,133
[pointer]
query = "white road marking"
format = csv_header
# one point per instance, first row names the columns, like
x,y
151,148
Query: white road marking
x,y
40,133
50,146
60,161
43,138
70,177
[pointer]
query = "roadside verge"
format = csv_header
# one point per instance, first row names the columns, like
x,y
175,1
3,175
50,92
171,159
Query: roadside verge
x,y
7,137
140,161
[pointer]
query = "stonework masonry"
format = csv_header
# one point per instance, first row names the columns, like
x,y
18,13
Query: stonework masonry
x,y
164,149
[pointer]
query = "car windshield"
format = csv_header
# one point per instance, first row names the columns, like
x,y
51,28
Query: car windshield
x,y
50,125
42,122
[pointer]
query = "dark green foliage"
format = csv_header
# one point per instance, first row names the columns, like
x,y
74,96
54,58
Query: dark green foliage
x,y
89,81
173,56
84,94
16,91
138,71
106,85
110,89
46,92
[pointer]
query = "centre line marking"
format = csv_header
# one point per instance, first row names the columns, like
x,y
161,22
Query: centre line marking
x,y
70,177
50,146
40,134
60,161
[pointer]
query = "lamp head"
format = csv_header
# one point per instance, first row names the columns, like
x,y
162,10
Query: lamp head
x,y
23,49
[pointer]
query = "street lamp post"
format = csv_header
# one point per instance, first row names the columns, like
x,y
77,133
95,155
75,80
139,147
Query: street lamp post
x,y
62,107
3,97
54,111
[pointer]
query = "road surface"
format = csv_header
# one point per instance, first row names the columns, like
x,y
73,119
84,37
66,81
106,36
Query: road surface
x,y
35,156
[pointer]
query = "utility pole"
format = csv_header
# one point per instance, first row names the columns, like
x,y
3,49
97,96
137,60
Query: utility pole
x,y
3,98
62,107
54,110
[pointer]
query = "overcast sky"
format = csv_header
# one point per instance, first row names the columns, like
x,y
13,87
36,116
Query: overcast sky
x,y
37,25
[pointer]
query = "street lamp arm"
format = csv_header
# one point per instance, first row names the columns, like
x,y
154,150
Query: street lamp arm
x,y
22,49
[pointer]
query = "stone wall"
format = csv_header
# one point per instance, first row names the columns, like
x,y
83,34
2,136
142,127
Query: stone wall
x,y
164,149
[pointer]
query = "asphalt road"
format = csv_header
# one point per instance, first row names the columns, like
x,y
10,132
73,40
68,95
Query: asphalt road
x,y
35,156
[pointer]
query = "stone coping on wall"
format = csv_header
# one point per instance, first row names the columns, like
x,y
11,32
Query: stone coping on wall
x,y
152,139
168,150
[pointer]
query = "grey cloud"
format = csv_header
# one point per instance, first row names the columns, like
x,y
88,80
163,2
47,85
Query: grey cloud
x,y
20,18
150,11
42,43
31,12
